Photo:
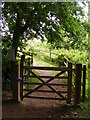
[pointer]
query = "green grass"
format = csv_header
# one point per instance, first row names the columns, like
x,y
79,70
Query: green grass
x,y
30,80
43,62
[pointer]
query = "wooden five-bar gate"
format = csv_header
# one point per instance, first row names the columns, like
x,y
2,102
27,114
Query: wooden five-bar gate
x,y
45,83
24,72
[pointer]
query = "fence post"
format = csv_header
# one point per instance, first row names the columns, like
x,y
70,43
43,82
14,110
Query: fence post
x,y
78,84
84,82
39,54
29,63
14,78
22,72
18,81
69,89
32,59
50,55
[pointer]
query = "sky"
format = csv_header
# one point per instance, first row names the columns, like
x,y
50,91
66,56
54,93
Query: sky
x,y
85,8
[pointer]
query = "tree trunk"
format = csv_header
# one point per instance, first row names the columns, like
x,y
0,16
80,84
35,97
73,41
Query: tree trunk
x,y
19,30
17,33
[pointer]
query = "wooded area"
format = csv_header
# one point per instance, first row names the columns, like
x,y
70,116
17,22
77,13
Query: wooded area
x,y
52,34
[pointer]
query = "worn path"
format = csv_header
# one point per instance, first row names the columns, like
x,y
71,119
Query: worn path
x,y
34,108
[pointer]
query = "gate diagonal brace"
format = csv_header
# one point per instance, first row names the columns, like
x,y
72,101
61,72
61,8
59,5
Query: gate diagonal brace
x,y
45,83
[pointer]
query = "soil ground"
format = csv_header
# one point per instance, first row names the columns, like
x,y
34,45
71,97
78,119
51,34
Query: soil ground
x,y
35,108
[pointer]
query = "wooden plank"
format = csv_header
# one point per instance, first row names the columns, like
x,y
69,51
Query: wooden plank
x,y
44,91
47,68
18,81
65,64
22,73
69,88
53,84
32,76
78,84
66,58
84,83
14,66
47,98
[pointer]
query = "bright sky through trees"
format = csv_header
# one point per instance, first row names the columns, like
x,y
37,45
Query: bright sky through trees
x,y
80,3
55,21
85,7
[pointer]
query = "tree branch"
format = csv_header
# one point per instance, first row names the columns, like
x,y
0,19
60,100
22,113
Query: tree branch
x,y
27,24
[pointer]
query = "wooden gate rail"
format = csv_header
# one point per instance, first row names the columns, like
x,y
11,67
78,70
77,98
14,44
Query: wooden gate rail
x,y
53,84
47,98
48,68
45,91
32,76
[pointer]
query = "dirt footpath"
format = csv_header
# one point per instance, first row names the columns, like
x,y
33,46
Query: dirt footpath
x,y
12,110
35,108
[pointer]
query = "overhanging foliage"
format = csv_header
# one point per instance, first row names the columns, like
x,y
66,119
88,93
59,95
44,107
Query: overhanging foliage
x,y
59,22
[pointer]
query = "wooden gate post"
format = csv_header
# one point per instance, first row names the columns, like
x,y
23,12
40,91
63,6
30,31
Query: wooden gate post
x,y
18,63
69,88
15,80
78,84
84,82
22,72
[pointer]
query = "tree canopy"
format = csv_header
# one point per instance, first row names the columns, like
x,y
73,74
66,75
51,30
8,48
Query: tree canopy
x,y
59,22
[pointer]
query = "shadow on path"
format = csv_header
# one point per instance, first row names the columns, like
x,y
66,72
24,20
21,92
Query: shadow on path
x,y
11,109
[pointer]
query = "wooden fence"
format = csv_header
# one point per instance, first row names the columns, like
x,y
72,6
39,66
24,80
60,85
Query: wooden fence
x,y
18,71
83,76
29,57
49,52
